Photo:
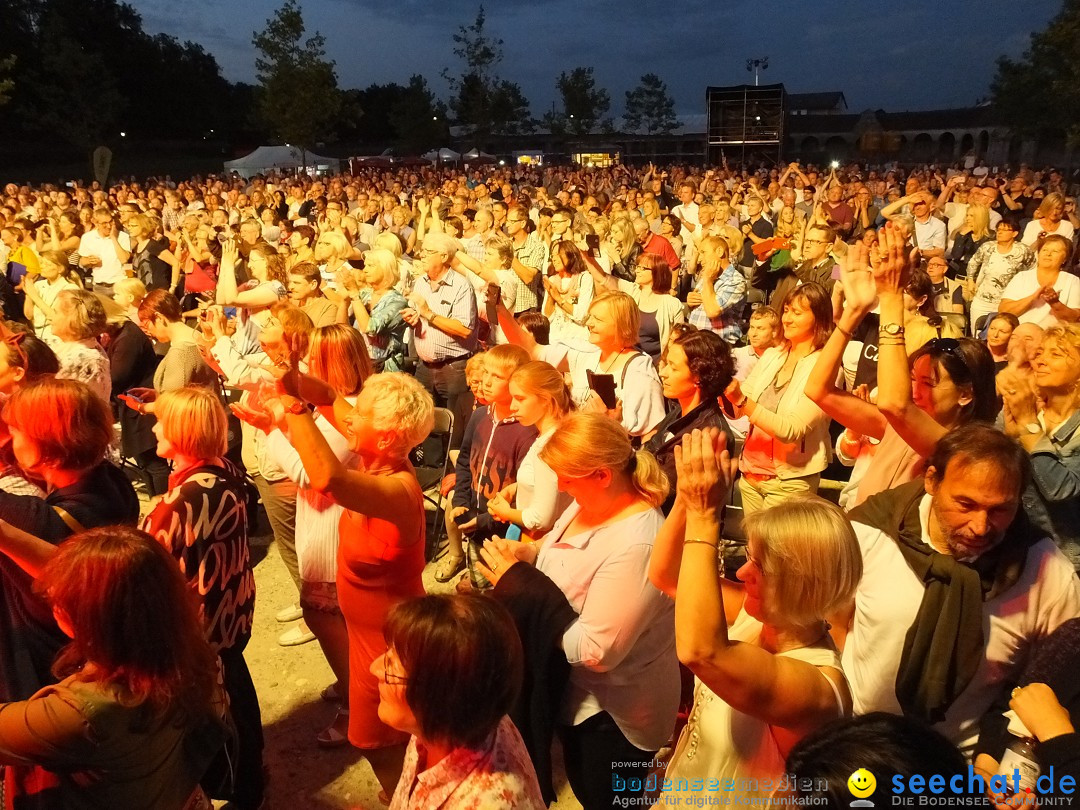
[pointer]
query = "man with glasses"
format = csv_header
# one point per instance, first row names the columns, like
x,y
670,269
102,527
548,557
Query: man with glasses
x,y
442,314
948,294
529,255
929,233
561,220
104,250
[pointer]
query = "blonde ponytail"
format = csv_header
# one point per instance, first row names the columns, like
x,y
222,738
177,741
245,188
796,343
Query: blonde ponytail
x,y
649,478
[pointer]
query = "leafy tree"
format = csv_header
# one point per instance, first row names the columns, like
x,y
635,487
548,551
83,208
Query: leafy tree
x,y
299,98
1039,93
650,106
418,118
111,71
584,106
77,98
6,83
482,102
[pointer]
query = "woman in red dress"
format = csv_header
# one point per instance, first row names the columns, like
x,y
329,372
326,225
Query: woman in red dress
x,y
381,553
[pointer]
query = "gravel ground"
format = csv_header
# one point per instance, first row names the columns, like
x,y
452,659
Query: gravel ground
x,y
288,680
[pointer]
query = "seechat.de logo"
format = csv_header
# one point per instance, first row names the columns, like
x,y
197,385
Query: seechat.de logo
x,y
862,784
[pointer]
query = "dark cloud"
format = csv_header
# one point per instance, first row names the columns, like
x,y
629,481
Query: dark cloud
x,y
914,55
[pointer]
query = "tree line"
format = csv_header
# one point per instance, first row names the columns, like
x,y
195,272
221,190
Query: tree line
x,y
82,71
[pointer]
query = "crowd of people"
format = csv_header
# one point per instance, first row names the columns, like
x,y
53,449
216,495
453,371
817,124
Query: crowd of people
x,y
756,472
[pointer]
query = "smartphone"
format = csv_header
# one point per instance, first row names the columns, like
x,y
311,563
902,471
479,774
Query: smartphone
x,y
593,241
604,386
465,517
136,397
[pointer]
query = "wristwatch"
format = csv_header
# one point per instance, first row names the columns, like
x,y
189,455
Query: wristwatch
x,y
891,330
294,405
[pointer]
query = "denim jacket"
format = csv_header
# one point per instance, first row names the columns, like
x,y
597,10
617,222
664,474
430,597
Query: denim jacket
x,y
1053,501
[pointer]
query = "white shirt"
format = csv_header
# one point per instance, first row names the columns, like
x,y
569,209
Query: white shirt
x,y
1034,229
621,647
687,213
1026,283
888,599
930,235
111,270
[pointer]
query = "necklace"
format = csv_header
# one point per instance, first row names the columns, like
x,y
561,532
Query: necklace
x,y
605,369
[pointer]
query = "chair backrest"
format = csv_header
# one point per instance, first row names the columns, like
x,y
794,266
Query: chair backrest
x,y
444,422
434,451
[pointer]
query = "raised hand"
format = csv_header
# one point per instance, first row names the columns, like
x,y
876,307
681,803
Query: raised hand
x,y
891,269
704,471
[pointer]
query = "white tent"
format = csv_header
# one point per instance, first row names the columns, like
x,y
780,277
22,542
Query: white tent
x,y
444,155
476,156
277,158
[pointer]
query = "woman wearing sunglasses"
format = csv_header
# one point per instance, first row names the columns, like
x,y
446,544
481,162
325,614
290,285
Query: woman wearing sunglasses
x,y
944,383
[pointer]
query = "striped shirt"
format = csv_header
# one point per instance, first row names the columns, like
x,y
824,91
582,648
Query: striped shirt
x,y
452,297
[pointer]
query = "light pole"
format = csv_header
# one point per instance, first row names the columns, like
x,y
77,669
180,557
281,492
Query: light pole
x,y
753,65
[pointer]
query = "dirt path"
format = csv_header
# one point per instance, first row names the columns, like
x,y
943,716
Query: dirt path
x,y
288,680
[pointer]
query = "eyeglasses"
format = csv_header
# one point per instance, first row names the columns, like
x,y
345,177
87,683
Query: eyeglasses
x,y
389,678
14,340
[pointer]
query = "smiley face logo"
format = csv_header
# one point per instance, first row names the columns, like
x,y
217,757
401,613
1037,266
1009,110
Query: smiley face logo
x,y
862,783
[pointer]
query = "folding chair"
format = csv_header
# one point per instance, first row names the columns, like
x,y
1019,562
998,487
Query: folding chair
x,y
432,461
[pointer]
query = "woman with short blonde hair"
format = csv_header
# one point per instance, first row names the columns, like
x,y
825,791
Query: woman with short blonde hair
x,y
767,670
381,532
1039,411
613,323
624,678
1049,220
194,421
77,323
203,521
376,308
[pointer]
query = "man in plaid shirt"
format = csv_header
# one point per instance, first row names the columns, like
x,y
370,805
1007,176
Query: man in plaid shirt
x,y
719,296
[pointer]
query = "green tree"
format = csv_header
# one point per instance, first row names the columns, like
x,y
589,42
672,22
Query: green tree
x,y
76,97
584,106
650,106
7,84
1039,94
480,101
299,97
418,118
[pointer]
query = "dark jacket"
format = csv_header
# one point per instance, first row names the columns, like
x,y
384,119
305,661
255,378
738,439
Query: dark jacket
x,y
488,461
29,637
541,613
670,432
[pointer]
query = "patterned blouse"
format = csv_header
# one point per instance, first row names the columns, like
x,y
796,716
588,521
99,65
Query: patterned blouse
x,y
498,776
85,361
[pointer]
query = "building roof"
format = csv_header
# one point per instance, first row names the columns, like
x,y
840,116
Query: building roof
x,y
929,120
816,101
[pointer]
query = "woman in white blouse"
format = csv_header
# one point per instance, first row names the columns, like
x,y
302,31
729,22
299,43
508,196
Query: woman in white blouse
x,y
540,399
613,325
766,670
1045,296
623,695
1049,219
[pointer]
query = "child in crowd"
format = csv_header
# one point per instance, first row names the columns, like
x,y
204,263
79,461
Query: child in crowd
x,y
129,293
765,332
492,448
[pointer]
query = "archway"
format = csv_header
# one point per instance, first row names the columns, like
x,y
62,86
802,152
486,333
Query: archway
x,y
947,147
